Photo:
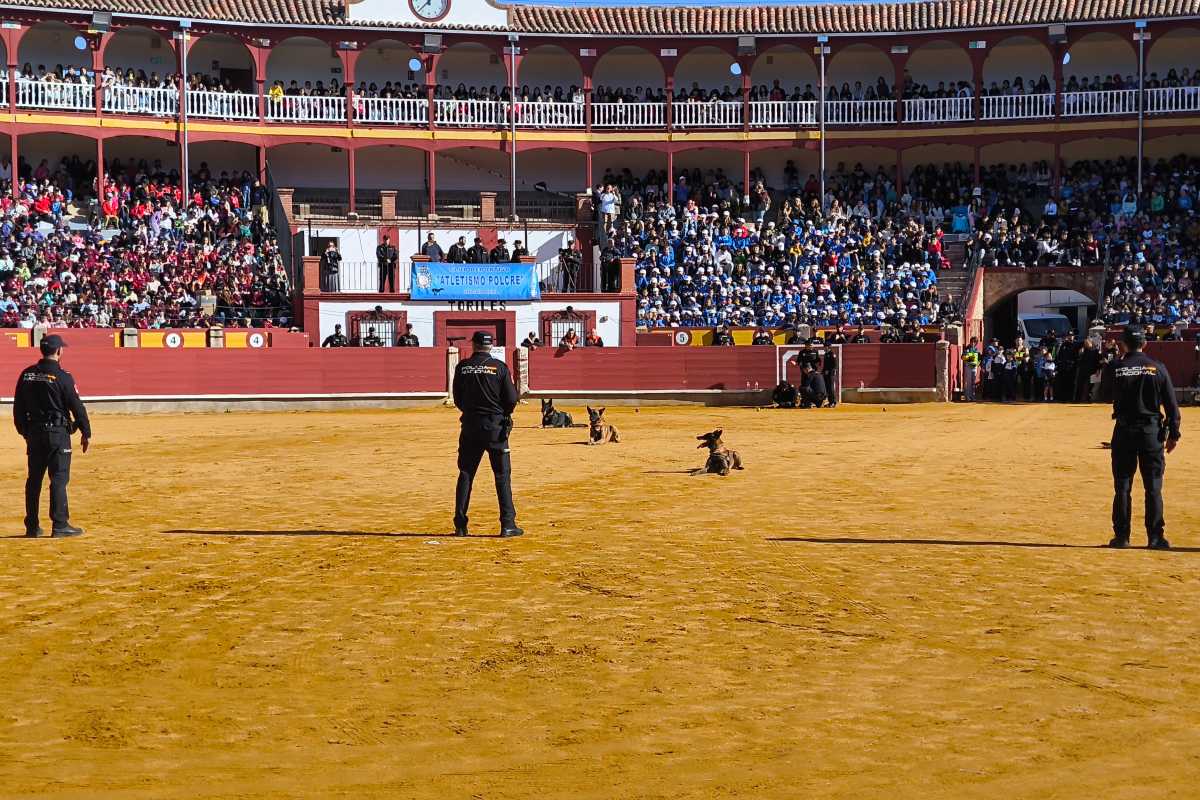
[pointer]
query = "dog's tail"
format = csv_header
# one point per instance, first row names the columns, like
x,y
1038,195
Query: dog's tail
x,y
579,425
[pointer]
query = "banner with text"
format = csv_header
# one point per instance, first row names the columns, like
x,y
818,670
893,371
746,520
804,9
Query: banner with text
x,y
442,281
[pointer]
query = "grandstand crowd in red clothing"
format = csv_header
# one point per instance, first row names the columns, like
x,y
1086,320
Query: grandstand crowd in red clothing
x,y
140,256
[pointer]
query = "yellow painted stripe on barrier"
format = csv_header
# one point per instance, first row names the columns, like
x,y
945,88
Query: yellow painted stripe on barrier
x,y
20,338
235,338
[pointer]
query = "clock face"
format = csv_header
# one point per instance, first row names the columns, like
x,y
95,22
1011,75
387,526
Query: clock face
x,y
430,10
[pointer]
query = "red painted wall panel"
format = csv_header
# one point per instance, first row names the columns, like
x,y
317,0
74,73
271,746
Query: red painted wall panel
x,y
204,372
888,366
1180,358
653,368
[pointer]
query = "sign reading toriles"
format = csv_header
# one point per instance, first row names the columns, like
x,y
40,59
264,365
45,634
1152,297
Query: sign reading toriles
x,y
446,282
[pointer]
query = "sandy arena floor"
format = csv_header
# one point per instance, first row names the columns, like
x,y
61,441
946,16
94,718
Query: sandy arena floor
x,y
888,603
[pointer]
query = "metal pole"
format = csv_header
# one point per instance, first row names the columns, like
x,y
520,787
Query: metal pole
x,y
821,45
183,115
1141,90
512,136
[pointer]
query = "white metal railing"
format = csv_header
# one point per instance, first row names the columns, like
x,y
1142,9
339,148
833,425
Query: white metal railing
x,y
392,110
708,114
1172,99
549,115
307,108
471,113
158,102
1018,106
860,112
222,105
629,115
1106,102
47,94
360,277
782,113
939,109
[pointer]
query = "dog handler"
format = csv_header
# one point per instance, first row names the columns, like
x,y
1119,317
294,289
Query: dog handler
x,y
46,411
485,394
1139,386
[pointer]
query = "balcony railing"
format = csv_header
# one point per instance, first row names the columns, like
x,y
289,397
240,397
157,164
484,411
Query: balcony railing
x,y
782,113
141,100
391,110
629,115
1018,106
860,112
471,113
495,114
304,108
222,105
1110,102
550,115
708,114
938,109
47,94
1172,100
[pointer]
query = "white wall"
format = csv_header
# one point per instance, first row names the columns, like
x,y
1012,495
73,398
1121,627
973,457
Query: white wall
x,y
308,166
1018,57
550,66
355,244
388,167
212,53
791,66
939,61
1176,49
473,65
387,61
52,43
628,68
420,316
303,59
708,68
860,62
1101,54
139,48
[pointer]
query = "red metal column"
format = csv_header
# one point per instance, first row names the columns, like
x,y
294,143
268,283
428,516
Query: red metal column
x,y
670,176
262,163
99,169
746,172
587,166
16,177
431,171
350,168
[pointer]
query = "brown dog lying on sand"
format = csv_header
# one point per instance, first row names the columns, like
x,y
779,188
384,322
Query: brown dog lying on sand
x,y
600,431
720,458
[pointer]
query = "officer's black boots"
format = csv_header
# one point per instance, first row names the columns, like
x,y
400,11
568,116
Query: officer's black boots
x,y
1119,542
65,531
508,533
460,530
33,533
1159,543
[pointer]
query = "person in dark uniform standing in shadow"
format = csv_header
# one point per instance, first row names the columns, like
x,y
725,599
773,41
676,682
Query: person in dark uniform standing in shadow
x,y
1138,387
46,411
485,394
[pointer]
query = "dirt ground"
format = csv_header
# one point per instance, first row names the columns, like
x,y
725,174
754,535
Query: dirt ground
x,y
901,602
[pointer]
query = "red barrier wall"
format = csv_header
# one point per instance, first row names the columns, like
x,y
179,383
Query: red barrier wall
x,y
889,366
653,369
186,373
1180,358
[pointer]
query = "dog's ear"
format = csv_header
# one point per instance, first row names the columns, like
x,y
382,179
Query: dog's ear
x,y
590,410
717,433
600,411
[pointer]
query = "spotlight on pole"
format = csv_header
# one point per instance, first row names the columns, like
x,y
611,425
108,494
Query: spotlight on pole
x,y
414,64
735,69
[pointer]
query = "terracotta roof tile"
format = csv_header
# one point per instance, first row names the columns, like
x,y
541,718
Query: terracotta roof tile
x,y
870,17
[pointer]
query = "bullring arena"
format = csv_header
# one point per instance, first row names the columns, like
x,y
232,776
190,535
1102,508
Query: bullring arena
x,y
269,234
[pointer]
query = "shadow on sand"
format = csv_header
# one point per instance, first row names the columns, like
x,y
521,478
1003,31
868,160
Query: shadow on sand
x,y
382,534
962,543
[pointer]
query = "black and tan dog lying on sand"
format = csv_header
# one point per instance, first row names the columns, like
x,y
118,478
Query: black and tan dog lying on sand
x,y
600,431
720,458
553,418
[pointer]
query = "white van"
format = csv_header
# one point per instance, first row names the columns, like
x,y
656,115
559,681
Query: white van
x,y
1034,326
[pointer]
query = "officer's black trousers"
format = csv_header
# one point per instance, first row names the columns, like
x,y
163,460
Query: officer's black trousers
x,y
472,444
830,380
387,278
1133,449
48,451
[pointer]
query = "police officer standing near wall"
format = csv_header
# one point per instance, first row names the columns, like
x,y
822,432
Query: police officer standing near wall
x,y
485,394
1139,386
46,411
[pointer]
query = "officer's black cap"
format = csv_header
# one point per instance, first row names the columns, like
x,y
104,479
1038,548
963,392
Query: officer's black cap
x,y
482,338
1134,337
52,344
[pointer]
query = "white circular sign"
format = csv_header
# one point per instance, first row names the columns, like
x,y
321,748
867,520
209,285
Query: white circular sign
x,y
256,340
173,340
683,337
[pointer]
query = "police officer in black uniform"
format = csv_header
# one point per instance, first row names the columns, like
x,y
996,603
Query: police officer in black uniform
x,y
485,394
336,339
46,411
1139,386
813,392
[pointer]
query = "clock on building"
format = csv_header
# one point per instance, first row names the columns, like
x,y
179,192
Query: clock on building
x,y
429,10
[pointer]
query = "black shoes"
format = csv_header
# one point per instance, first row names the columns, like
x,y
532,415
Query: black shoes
x,y
66,531
33,534
1159,543
508,533
461,530
1119,542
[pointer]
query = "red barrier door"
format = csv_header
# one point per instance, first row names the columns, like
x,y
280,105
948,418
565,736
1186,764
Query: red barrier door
x,y
458,333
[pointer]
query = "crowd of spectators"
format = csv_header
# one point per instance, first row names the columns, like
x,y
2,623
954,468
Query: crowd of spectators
x,y
143,256
706,254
